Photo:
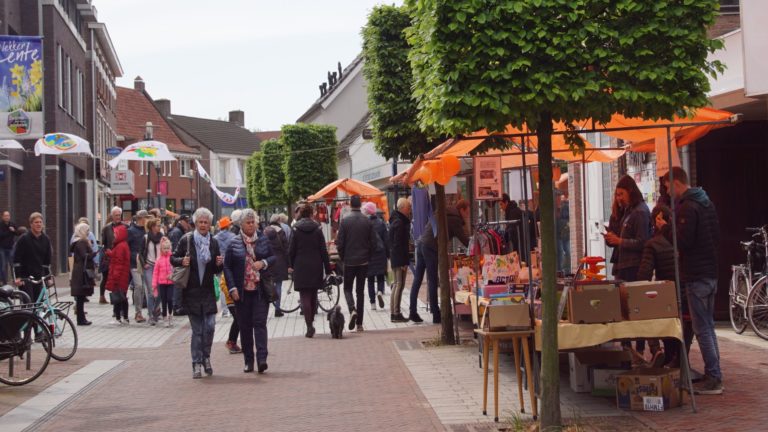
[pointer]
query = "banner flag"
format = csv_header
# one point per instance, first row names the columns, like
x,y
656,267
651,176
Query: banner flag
x,y
21,94
225,197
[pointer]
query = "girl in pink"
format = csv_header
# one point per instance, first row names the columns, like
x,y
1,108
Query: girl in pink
x,y
161,280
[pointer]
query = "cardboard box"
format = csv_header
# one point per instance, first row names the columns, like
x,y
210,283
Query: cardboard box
x,y
649,300
578,374
648,389
594,303
604,381
507,317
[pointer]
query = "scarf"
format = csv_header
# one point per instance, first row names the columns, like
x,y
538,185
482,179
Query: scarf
x,y
203,247
251,274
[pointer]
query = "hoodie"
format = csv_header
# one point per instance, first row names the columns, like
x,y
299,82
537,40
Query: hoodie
x,y
698,236
119,261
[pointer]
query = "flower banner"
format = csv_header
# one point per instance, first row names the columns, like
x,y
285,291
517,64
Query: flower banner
x,y
225,197
61,144
150,151
21,94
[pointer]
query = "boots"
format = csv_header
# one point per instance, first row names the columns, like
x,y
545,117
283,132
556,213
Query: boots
x,y
139,317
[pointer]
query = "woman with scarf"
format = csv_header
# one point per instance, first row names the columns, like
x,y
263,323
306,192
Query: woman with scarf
x,y
150,252
199,251
248,258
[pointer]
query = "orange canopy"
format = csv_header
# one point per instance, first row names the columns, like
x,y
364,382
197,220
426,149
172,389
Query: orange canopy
x,y
351,187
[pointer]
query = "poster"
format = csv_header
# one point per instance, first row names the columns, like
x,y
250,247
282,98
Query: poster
x,y
21,94
488,184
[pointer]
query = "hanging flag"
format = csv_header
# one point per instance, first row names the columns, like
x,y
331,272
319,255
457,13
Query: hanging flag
x,y
224,196
144,151
62,143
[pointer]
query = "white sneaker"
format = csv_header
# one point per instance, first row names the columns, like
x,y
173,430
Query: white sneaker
x,y
117,322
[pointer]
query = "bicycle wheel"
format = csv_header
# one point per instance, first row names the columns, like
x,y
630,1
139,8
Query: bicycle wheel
x,y
737,301
289,300
25,347
757,309
328,297
64,334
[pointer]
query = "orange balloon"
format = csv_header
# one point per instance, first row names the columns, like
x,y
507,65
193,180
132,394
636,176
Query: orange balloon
x,y
451,165
424,174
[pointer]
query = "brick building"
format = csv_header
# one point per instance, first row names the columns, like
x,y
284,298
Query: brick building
x,y
76,46
173,184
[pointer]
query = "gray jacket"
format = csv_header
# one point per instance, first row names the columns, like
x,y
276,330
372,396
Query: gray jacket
x,y
635,231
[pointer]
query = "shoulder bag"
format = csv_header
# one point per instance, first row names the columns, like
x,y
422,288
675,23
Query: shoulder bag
x,y
180,274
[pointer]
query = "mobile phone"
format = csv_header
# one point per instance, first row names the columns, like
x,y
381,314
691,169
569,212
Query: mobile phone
x,y
602,229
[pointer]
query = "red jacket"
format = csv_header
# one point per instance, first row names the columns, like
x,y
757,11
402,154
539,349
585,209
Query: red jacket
x,y
120,261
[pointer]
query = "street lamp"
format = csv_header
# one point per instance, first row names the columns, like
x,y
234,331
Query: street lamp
x,y
148,137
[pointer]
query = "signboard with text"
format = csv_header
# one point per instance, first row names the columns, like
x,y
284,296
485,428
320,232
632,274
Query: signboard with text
x,y
488,184
21,95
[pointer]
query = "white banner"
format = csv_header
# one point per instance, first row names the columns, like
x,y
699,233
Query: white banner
x,y
143,151
61,144
225,197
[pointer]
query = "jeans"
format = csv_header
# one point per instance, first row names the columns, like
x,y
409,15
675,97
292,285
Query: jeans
x,y
202,336
137,276
701,304
279,291
234,329
5,261
308,303
103,284
379,280
356,275
418,278
430,260
152,303
252,313
397,289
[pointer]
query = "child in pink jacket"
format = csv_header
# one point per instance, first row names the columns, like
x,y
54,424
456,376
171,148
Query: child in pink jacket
x,y
161,280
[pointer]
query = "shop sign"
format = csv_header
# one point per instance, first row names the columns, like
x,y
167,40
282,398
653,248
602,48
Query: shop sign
x,y
121,182
488,184
113,151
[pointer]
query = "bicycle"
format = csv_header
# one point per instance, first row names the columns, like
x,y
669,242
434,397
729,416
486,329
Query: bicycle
x,y
56,315
757,300
327,295
25,341
748,290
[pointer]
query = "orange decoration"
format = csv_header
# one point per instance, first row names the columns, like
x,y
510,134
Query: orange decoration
x,y
424,174
451,165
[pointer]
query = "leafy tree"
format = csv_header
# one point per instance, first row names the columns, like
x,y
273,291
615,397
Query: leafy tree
x,y
310,158
394,119
255,193
272,175
487,64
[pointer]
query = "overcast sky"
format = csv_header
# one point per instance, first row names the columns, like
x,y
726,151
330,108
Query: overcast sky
x,y
266,58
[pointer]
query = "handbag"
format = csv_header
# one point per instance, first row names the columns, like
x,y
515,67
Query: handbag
x,y
117,297
89,276
268,289
180,274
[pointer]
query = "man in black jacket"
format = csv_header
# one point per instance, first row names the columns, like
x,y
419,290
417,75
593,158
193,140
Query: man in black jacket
x,y
400,240
428,250
32,257
8,234
182,227
697,238
355,243
107,238
135,240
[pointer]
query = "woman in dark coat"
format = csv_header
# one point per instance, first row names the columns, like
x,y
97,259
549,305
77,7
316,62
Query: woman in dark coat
x,y
199,251
81,285
308,256
119,273
399,239
247,266
377,266
279,241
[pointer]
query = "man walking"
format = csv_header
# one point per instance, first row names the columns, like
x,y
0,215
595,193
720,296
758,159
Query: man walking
x,y
355,243
697,237
135,241
33,256
7,236
107,239
399,239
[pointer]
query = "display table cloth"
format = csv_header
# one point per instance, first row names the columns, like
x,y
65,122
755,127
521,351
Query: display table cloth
x,y
572,336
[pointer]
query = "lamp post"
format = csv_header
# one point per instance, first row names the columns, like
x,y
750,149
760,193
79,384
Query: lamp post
x,y
157,171
147,137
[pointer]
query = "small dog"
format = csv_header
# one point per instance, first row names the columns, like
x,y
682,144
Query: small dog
x,y
337,322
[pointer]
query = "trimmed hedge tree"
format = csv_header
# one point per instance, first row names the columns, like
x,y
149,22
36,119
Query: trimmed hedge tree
x,y
310,158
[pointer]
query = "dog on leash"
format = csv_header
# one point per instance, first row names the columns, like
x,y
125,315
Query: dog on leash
x,y
337,322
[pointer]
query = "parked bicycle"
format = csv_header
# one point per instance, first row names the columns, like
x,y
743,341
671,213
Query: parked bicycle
x,y
748,291
25,340
56,315
327,295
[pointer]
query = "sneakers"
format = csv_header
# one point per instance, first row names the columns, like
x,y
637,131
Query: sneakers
x,y
398,318
197,371
263,367
310,332
359,328
415,318
248,368
233,347
168,322
352,320
380,298
373,306
139,317
278,313
207,366
708,386
117,322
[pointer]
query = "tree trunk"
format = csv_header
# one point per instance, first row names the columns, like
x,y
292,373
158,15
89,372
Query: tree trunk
x,y
550,372
446,311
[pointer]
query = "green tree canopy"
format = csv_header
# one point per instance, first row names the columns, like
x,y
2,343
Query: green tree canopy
x,y
272,175
388,73
253,180
310,158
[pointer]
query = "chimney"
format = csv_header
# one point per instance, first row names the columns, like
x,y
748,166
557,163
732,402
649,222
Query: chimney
x,y
164,106
138,84
237,117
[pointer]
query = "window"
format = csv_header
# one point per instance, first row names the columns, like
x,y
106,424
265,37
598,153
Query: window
x,y
185,167
170,204
729,6
188,205
167,168
80,97
68,86
60,75
142,170
241,168
223,170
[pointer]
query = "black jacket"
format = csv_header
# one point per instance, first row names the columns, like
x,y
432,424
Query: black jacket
x,y
399,239
658,255
455,229
234,261
378,264
698,236
174,235
135,242
279,242
308,255
31,255
7,236
198,298
356,240
635,230
83,259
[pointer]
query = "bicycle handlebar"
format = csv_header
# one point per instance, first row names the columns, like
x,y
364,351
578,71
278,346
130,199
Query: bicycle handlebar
x,y
752,230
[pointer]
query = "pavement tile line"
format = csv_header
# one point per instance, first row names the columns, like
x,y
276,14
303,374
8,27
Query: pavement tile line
x,y
33,413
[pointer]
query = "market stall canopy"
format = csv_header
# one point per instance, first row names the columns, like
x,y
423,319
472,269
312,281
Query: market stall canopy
x,y
351,187
11,145
144,151
62,144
